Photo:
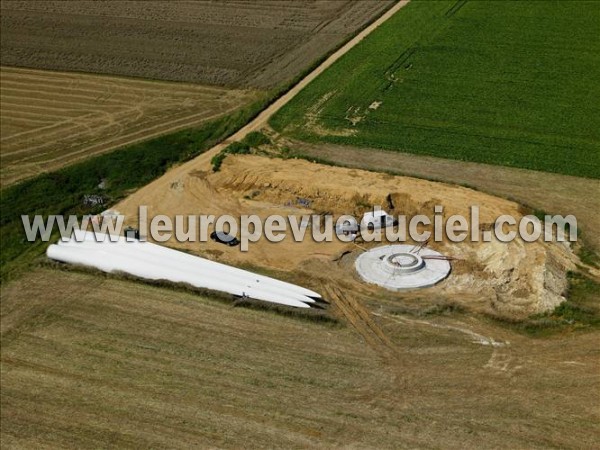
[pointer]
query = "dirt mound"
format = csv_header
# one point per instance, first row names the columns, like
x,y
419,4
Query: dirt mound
x,y
507,279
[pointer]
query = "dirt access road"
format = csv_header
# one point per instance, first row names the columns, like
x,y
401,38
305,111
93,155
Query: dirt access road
x,y
262,119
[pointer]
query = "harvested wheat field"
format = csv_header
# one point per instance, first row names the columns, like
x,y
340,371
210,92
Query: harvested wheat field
x,y
258,44
90,361
51,119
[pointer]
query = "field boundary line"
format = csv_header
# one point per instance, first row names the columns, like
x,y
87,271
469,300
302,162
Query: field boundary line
x,y
262,119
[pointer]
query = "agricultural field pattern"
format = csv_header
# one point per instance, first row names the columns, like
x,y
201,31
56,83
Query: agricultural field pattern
x,y
495,82
258,44
88,359
306,109
52,119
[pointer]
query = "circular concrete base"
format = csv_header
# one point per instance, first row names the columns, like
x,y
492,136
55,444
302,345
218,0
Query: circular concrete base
x,y
400,267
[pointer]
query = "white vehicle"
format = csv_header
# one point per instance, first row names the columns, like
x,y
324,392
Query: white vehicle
x,y
377,219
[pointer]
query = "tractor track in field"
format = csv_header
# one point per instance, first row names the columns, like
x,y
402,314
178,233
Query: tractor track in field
x,y
361,320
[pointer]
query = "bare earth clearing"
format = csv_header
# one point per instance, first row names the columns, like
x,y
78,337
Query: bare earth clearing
x,y
553,193
89,361
51,119
510,280
259,44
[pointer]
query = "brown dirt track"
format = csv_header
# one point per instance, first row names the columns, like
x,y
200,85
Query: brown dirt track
x,y
51,119
258,44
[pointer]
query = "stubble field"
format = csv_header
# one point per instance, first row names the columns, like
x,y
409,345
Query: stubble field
x,y
92,362
52,119
258,44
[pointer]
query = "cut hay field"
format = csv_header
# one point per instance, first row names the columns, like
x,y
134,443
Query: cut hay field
x,y
52,119
498,82
95,362
259,44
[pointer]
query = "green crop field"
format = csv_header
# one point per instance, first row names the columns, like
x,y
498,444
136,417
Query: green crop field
x,y
510,83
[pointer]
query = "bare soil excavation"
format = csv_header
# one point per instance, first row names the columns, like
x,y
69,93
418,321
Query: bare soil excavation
x,y
511,280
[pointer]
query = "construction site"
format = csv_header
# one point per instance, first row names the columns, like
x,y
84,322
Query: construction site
x,y
375,331
511,280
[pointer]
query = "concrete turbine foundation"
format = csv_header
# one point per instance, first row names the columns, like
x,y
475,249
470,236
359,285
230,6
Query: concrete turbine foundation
x,y
400,267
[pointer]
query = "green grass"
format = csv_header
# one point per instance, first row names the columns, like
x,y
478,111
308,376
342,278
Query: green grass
x,y
500,82
121,171
588,256
252,141
235,148
581,311
255,139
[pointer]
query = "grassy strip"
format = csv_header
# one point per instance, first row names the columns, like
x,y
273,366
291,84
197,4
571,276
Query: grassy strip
x,y
580,312
235,148
252,141
499,83
588,257
110,177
